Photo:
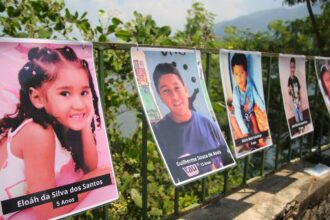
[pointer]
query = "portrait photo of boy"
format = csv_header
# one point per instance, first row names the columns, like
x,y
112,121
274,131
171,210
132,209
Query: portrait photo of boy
x,y
187,134
294,94
241,79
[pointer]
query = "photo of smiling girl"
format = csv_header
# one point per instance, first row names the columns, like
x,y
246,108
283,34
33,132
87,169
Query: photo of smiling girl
x,y
50,141
322,70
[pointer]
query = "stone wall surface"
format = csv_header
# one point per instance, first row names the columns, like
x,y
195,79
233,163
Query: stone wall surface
x,y
289,193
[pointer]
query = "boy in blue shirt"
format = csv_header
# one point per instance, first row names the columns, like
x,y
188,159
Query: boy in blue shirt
x,y
245,100
184,135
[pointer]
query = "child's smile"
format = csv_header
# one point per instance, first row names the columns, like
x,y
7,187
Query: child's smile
x,y
68,98
175,96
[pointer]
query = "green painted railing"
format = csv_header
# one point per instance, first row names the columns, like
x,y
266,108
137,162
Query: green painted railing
x,y
309,139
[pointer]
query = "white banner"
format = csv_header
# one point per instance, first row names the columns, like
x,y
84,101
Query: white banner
x,y
174,96
242,85
54,153
294,94
322,70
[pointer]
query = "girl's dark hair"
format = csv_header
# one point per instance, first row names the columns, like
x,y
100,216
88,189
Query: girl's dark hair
x,y
43,67
324,69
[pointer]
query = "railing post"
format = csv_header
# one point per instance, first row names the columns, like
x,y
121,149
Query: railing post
x,y
290,151
144,168
203,190
100,80
268,82
225,180
246,164
207,82
262,162
176,201
314,104
101,76
207,72
278,139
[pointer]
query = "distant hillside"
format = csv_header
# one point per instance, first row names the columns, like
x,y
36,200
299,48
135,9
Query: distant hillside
x,y
258,21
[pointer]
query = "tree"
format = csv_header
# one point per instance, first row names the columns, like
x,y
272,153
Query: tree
x,y
320,40
198,29
144,30
48,19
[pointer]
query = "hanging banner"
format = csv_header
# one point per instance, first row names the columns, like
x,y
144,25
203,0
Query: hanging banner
x,y
294,94
174,96
54,153
242,85
322,70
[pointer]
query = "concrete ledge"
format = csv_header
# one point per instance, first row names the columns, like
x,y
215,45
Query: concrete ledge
x,y
282,195
313,193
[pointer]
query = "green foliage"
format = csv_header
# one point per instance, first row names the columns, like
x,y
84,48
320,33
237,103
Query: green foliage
x,y
198,30
294,2
51,19
143,30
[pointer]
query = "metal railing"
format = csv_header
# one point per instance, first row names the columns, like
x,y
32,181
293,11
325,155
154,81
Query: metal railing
x,y
308,140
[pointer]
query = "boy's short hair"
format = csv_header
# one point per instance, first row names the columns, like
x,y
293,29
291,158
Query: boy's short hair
x,y
239,59
293,60
162,69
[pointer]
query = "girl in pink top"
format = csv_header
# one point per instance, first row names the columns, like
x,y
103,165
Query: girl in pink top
x,y
49,140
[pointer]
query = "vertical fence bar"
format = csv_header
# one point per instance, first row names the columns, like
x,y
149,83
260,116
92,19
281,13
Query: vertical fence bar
x,y
321,133
100,79
144,168
207,72
101,76
301,147
314,104
246,164
203,190
207,82
309,137
268,82
262,161
176,201
278,138
226,172
225,180
290,151
307,85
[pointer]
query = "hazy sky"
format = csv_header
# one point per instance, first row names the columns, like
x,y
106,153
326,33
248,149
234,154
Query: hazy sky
x,y
170,12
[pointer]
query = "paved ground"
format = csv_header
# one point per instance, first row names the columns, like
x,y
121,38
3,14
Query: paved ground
x,y
266,198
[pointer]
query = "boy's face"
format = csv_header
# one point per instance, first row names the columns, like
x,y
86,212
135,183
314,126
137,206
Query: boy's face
x,y
240,76
174,95
69,99
292,68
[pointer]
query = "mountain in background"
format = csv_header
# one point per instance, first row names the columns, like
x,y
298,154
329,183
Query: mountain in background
x,y
258,21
